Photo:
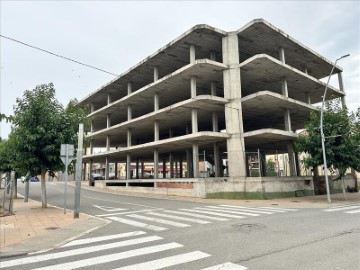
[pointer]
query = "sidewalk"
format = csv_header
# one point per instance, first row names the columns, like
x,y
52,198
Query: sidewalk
x,y
33,228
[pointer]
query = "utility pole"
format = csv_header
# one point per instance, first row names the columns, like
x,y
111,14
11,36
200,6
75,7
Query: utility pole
x,y
78,172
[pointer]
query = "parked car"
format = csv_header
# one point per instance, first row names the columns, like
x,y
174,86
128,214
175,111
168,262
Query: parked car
x,y
97,176
34,179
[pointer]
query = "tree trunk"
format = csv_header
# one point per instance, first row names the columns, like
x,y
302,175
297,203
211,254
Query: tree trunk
x,y
43,189
26,197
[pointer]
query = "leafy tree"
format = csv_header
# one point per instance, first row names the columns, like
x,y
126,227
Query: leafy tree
x,y
270,168
5,117
40,126
342,139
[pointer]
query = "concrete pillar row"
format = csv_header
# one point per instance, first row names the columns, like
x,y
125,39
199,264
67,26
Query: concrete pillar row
x,y
189,163
171,164
282,55
341,86
287,119
107,142
193,87
171,134
142,169
107,167
116,170
156,163
156,130
284,88
92,107
181,167
91,147
217,160
307,98
213,88
156,101
192,54
108,99
128,137
90,171
194,120
156,74
129,112
128,166
108,120
137,168
195,148
129,88
92,126
164,168
215,121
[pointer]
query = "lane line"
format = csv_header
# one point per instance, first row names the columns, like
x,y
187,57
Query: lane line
x,y
102,238
179,218
212,213
233,211
159,220
79,251
111,257
353,212
137,224
195,215
226,266
168,261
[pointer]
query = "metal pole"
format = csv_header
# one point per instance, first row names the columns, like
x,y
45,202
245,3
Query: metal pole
x,y
11,206
66,175
322,131
78,171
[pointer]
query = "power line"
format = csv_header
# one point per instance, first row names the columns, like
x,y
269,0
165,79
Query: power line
x,y
57,55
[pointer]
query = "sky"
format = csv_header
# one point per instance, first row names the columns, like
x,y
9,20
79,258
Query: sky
x,y
116,35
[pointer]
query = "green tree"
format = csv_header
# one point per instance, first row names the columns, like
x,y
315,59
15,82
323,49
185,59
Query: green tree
x,y
342,139
40,126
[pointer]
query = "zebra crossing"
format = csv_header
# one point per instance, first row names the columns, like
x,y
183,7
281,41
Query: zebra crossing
x,y
85,253
161,219
347,209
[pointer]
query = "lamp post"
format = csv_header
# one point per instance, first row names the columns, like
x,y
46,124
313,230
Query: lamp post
x,y
322,131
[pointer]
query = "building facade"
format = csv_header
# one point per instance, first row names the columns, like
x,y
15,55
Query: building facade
x,y
226,99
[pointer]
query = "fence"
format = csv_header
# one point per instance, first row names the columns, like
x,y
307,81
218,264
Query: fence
x,y
7,194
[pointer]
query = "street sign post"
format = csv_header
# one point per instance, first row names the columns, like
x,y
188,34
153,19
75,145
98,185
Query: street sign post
x,y
66,155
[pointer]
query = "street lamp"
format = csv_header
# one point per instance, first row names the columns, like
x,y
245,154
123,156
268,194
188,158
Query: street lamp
x,y
322,131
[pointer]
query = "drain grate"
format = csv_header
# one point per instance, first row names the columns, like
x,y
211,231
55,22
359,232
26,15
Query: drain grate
x,y
248,227
51,228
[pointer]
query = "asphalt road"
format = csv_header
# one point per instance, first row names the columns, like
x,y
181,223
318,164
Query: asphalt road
x,y
193,235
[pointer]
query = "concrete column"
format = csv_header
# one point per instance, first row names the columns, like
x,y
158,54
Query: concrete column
x,y
189,164
91,147
92,107
108,99
108,120
164,168
192,53
107,142
92,126
215,121
129,88
137,168
307,98
128,166
284,88
181,167
116,170
142,169
129,137
107,165
217,162
282,55
341,86
292,161
195,148
156,163
156,74
171,133
306,70
90,172
194,120
171,163
213,88
156,102
213,55
193,87
156,130
287,120
129,112
233,111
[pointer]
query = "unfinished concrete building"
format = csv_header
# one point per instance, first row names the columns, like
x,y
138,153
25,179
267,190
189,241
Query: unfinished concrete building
x,y
227,99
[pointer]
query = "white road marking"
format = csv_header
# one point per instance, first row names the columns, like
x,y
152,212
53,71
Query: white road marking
x,y
168,261
255,210
159,220
353,212
212,213
137,224
121,202
179,218
102,238
226,266
108,208
234,211
342,208
79,251
130,212
195,215
279,208
111,257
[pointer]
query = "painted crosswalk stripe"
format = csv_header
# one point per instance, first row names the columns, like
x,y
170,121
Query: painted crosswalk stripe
x,y
226,266
137,224
179,218
195,215
79,251
342,208
353,211
278,209
159,220
198,210
168,261
234,211
110,257
102,238
253,209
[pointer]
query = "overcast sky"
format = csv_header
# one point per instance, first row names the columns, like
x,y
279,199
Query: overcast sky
x,y
115,35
